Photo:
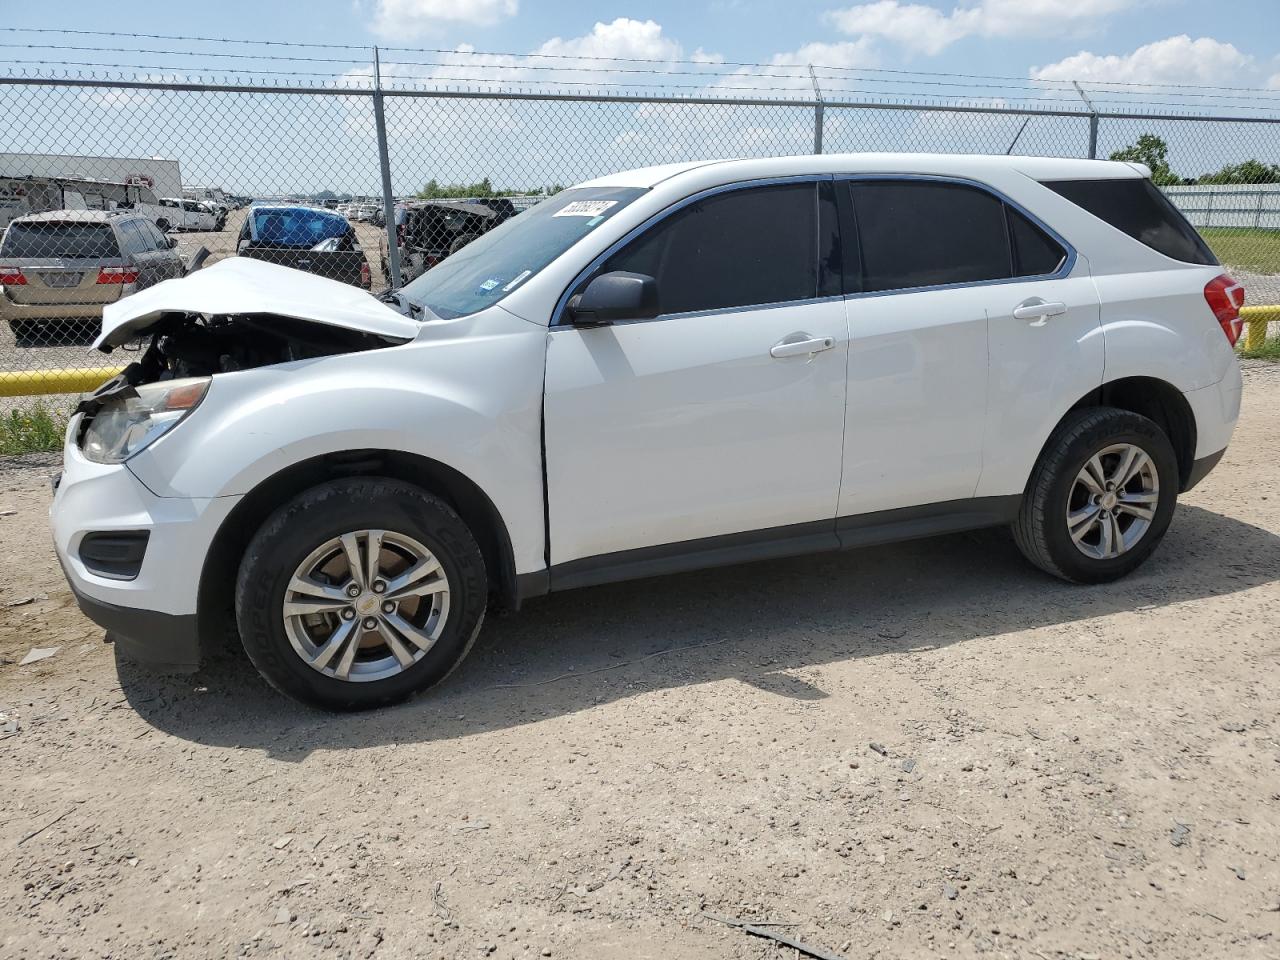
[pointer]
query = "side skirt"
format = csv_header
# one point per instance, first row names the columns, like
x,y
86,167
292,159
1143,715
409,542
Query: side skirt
x,y
860,530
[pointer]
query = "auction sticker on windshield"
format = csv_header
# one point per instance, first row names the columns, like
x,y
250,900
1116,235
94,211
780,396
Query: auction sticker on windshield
x,y
585,208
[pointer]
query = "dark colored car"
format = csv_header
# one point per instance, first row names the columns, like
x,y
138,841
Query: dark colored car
x,y
430,230
305,238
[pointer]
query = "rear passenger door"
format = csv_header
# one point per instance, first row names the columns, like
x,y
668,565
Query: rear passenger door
x,y
940,370
1046,351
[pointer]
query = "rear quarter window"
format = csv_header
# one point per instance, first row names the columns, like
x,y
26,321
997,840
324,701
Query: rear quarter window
x,y
1135,206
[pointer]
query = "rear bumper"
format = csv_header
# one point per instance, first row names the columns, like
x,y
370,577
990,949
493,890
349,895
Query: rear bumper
x,y
48,311
1216,409
1200,469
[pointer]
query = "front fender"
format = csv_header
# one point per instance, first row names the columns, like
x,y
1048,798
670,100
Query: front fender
x,y
413,399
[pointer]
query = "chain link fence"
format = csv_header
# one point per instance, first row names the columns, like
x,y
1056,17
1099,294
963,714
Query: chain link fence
x,y
107,187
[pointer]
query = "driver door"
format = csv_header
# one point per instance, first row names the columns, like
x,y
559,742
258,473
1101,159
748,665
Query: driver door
x,y
704,435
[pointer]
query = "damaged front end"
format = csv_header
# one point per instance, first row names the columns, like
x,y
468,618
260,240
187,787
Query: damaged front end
x,y
182,353
235,315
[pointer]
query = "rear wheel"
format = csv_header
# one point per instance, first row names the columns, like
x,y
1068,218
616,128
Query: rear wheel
x,y
360,593
1101,497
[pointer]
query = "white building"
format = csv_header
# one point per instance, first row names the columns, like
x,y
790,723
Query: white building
x,y
161,175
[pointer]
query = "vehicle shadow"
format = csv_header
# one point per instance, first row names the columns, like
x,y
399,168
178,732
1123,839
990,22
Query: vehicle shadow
x,y
753,623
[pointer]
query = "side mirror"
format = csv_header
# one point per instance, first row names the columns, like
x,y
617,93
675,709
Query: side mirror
x,y
172,241
619,295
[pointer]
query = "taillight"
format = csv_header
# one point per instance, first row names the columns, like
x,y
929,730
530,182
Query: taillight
x,y
12,276
366,278
1225,298
400,235
117,275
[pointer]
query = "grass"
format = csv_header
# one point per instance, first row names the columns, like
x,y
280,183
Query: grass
x,y
1255,250
34,429
1270,350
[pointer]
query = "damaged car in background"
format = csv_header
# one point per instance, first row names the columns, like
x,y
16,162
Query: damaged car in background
x,y
633,379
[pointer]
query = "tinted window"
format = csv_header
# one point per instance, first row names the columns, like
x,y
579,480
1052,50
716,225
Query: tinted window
x,y
94,241
753,246
133,237
1137,207
158,238
915,233
1035,253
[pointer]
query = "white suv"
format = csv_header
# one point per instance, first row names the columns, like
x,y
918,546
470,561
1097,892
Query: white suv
x,y
655,371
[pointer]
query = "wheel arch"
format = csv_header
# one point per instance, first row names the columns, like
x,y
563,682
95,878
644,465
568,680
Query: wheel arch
x,y
1156,400
215,595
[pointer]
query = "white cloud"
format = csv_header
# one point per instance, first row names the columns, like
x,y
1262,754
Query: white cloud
x,y
576,62
624,37
784,75
409,18
930,30
1173,60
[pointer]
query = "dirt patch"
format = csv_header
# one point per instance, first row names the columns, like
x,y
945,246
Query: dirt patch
x,y
921,750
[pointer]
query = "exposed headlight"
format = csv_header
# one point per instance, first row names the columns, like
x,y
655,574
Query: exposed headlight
x,y
123,427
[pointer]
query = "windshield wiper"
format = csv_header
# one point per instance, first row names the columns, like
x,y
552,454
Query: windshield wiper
x,y
401,302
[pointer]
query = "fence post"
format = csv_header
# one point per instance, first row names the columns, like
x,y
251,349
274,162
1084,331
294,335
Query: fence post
x,y
384,161
1093,121
818,110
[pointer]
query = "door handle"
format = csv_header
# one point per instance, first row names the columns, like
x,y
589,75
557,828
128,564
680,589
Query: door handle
x,y
807,346
1038,310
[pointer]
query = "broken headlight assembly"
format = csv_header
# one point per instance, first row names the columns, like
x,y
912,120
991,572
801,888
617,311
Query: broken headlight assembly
x,y
137,417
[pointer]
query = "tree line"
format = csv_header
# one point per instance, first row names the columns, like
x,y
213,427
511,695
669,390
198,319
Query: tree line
x,y
435,190
1154,152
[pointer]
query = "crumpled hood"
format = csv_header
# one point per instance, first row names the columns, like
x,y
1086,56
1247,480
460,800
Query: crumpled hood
x,y
239,285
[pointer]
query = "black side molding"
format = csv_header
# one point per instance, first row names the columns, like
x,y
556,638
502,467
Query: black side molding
x,y
929,520
789,541
844,533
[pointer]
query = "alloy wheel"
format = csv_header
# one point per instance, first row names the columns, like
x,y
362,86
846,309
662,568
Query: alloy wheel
x,y
1113,501
366,605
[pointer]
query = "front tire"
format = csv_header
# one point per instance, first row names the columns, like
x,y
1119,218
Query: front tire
x,y
1100,498
360,593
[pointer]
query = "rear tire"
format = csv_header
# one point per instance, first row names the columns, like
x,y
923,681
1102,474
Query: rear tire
x,y
22,332
352,653
1100,498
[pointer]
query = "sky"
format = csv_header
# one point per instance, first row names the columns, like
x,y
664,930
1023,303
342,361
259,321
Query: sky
x,y
1228,49
1234,42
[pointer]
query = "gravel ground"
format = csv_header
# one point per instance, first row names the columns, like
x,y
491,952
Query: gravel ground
x,y
924,750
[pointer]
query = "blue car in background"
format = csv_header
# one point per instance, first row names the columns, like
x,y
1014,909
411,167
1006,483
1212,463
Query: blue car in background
x,y
305,238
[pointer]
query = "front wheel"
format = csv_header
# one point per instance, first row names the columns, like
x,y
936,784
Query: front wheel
x,y
1100,498
359,593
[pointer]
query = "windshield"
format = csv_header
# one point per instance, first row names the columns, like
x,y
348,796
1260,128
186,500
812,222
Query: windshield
x,y
487,269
